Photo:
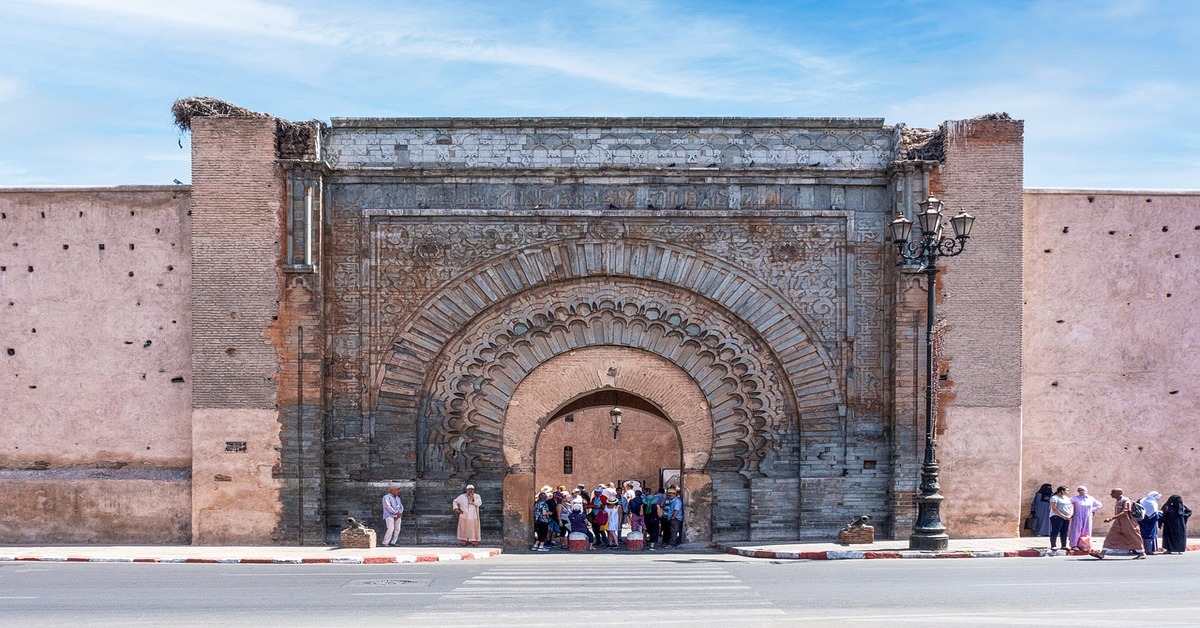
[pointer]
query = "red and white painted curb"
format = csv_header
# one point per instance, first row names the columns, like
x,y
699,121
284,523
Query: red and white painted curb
x,y
323,560
870,554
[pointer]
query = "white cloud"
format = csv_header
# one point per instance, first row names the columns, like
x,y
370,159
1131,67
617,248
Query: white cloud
x,y
250,17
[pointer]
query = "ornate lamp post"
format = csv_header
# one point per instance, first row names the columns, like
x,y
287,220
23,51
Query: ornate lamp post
x,y
928,532
614,416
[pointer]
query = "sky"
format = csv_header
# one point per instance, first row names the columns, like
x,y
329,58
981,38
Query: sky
x,y
1108,89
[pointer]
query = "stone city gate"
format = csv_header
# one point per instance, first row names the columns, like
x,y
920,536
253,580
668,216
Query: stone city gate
x,y
532,295
471,285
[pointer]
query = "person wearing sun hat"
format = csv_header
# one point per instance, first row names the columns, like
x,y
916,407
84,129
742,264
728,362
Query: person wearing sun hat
x,y
673,518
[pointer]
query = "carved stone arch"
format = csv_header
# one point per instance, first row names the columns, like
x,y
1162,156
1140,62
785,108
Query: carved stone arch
x,y
741,380
577,373
608,251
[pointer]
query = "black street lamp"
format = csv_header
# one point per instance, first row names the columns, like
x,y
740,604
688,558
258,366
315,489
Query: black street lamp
x,y
928,532
614,416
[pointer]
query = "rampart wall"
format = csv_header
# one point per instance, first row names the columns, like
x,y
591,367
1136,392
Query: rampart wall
x,y
95,374
1112,385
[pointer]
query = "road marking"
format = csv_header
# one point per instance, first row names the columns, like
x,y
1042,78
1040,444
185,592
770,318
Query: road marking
x,y
349,572
402,593
18,597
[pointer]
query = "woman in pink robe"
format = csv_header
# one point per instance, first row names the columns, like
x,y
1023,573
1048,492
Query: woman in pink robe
x,y
1081,522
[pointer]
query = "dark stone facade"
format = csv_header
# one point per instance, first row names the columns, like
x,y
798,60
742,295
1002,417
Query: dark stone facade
x,y
458,255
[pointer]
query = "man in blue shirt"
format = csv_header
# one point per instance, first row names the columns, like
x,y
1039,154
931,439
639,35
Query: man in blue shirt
x,y
673,518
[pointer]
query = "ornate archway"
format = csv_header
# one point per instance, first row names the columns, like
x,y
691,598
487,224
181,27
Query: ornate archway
x,y
448,381
578,373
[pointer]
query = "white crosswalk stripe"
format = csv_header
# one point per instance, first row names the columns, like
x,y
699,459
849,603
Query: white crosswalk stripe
x,y
608,594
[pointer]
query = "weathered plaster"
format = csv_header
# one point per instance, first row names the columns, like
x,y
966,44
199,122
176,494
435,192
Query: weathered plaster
x,y
1111,390
235,494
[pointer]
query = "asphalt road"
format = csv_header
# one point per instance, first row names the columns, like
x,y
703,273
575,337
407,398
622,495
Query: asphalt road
x,y
610,590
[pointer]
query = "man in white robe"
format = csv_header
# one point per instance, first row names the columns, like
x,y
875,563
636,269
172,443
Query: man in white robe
x,y
467,506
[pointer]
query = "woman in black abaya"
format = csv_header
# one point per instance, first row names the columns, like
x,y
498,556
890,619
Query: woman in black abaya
x,y
1174,524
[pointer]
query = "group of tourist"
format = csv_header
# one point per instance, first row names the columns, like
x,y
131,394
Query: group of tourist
x,y
602,514
1067,520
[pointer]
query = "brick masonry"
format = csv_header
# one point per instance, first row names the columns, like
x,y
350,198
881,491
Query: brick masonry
x,y
370,318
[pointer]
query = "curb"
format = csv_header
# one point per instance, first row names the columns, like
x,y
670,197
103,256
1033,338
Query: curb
x,y
875,554
340,560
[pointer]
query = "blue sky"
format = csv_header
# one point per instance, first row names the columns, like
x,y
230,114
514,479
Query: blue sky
x,y
1109,90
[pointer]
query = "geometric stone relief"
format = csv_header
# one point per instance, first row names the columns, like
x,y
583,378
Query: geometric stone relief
x,y
480,368
844,145
800,256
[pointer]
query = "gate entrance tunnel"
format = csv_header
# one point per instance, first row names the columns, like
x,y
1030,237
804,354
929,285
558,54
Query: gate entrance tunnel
x,y
577,445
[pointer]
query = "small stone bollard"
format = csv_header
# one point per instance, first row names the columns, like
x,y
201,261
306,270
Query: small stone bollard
x,y
634,541
857,532
356,536
577,542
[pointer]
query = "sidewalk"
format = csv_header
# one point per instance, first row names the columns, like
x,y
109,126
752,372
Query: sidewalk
x,y
1023,547
1029,547
258,555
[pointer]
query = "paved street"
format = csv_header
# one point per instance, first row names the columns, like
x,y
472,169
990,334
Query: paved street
x,y
691,588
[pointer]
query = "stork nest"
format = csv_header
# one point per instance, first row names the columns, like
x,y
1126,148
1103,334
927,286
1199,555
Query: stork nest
x,y
293,140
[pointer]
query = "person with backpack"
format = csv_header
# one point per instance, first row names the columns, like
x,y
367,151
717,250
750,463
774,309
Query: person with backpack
x,y
598,514
636,520
652,514
542,515
1124,535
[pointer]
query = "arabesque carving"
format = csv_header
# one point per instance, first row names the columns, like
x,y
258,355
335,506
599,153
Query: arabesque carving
x,y
484,363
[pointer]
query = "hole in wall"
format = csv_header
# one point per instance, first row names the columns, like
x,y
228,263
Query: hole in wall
x,y
1164,228
230,351
1091,198
1112,233
1046,251
176,380
101,247
1054,384
1066,229
130,246
43,214
1168,295
869,464
30,268
66,246
170,268
1173,392
11,351
131,273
